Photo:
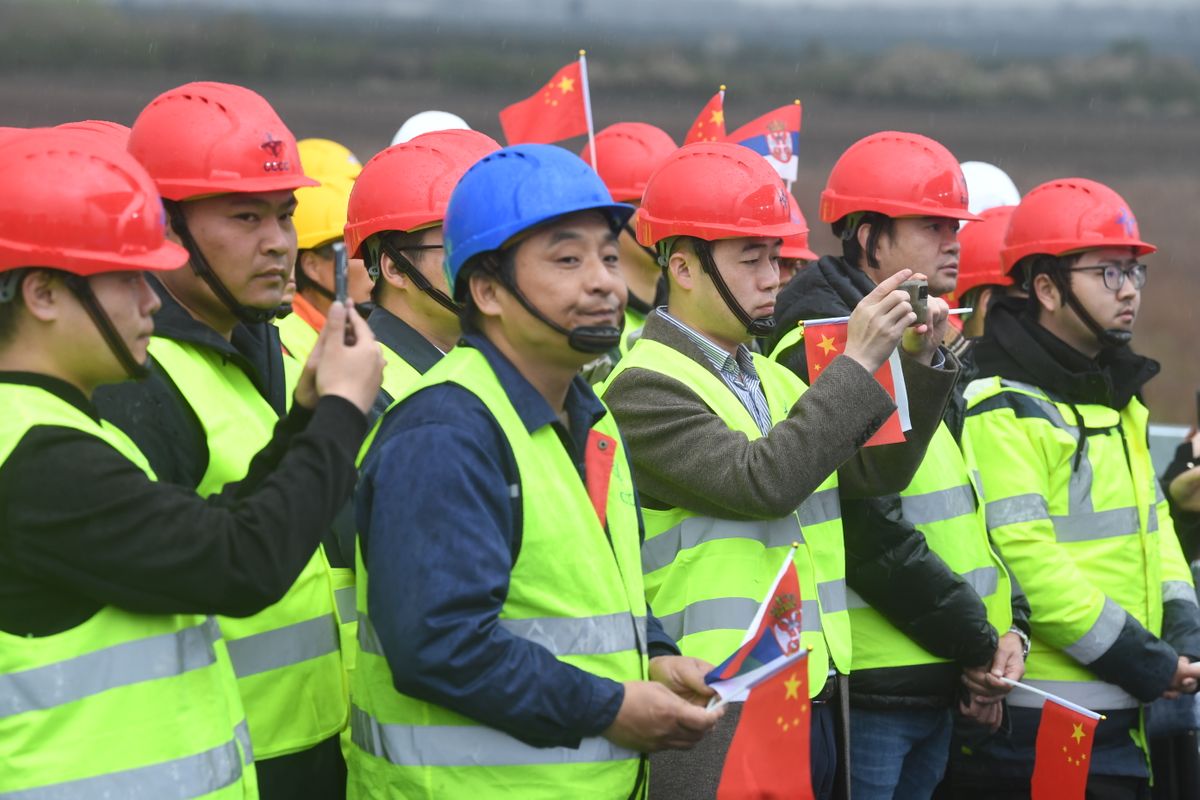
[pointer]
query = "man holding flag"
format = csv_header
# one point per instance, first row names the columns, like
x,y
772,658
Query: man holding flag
x,y
1057,433
734,458
930,600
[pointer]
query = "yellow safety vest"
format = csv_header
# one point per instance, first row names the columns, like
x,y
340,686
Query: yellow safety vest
x,y
297,337
571,591
123,704
706,577
287,657
1082,524
944,505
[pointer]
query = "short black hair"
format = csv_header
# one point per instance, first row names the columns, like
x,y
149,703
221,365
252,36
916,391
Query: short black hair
x,y
847,227
1057,267
498,263
10,309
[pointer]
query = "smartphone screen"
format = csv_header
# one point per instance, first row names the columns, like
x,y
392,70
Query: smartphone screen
x,y
340,266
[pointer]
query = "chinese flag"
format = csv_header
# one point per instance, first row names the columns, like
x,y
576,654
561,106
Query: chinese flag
x,y
555,112
1064,749
710,124
768,757
823,343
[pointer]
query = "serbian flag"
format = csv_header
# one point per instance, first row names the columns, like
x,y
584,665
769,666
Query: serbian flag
x,y
772,638
825,341
768,757
555,112
1064,750
710,124
776,137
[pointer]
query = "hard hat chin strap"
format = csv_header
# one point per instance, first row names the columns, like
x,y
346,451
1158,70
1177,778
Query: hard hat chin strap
x,y
420,281
201,267
82,289
757,327
1109,338
583,339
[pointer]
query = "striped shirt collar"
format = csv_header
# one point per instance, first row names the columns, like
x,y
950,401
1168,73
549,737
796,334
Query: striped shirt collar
x,y
741,363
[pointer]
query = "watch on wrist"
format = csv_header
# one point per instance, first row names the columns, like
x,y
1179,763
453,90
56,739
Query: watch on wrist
x,y
1024,641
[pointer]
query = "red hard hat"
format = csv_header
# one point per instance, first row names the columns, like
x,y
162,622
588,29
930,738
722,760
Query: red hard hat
x,y
896,174
114,132
796,246
628,153
215,138
408,185
1070,214
980,243
714,190
74,202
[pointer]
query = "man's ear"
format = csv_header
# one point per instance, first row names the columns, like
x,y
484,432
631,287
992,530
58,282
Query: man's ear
x,y
43,293
485,292
391,273
1046,292
310,264
683,267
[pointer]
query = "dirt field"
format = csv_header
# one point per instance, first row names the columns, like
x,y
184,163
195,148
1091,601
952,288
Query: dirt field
x,y
1152,161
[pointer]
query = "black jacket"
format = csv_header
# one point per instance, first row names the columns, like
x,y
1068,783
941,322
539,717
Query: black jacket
x,y
888,562
1017,348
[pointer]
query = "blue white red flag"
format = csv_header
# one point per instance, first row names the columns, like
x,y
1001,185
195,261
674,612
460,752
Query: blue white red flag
x,y
772,642
776,137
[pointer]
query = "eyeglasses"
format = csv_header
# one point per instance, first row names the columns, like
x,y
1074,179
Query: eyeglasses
x,y
1115,275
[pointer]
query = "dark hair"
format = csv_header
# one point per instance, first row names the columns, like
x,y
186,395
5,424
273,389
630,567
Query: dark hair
x,y
847,227
494,262
1057,267
11,308
373,249
325,251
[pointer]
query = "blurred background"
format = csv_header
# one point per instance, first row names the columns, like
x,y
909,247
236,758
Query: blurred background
x,y
1044,90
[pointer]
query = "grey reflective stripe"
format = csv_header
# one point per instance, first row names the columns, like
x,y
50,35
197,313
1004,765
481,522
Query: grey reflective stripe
x,y
190,776
1101,636
820,507
1086,526
1096,695
659,551
577,636
162,656
832,595
1152,520
282,647
925,509
984,580
469,746
241,732
1178,590
345,600
727,613
368,639
1012,510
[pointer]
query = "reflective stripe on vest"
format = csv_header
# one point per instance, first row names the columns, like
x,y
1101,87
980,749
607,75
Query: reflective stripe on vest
x,y
469,746
398,374
287,658
1179,590
1089,694
709,616
122,704
573,590
983,580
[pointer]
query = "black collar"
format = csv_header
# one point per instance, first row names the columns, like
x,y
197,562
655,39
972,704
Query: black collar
x,y
403,339
55,386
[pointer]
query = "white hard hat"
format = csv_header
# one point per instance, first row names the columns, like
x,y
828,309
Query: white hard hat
x,y
988,186
427,122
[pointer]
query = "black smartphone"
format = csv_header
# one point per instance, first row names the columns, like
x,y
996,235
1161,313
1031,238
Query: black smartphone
x,y
341,286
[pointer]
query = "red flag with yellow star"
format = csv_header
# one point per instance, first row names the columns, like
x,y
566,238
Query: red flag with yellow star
x,y
1064,751
555,112
825,342
710,124
768,757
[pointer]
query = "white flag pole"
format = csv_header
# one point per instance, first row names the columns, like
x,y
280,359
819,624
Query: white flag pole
x,y
1074,707
587,107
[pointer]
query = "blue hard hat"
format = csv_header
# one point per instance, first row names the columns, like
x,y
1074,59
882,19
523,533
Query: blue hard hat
x,y
514,189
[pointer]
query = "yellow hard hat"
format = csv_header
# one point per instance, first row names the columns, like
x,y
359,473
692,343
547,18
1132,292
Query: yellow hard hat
x,y
321,213
328,161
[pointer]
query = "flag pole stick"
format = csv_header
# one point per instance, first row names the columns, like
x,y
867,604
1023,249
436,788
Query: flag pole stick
x,y
796,155
1074,707
717,701
954,312
587,107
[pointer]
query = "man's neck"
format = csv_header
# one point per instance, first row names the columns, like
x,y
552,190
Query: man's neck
x,y
443,337
28,357
695,322
1083,343
219,318
551,380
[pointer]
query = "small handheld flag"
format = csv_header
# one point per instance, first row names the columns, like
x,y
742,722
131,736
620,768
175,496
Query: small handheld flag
x,y
557,111
1063,752
710,123
825,340
776,137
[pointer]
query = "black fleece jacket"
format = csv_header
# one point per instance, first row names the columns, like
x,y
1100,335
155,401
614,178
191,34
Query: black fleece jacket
x,y
1015,347
888,562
